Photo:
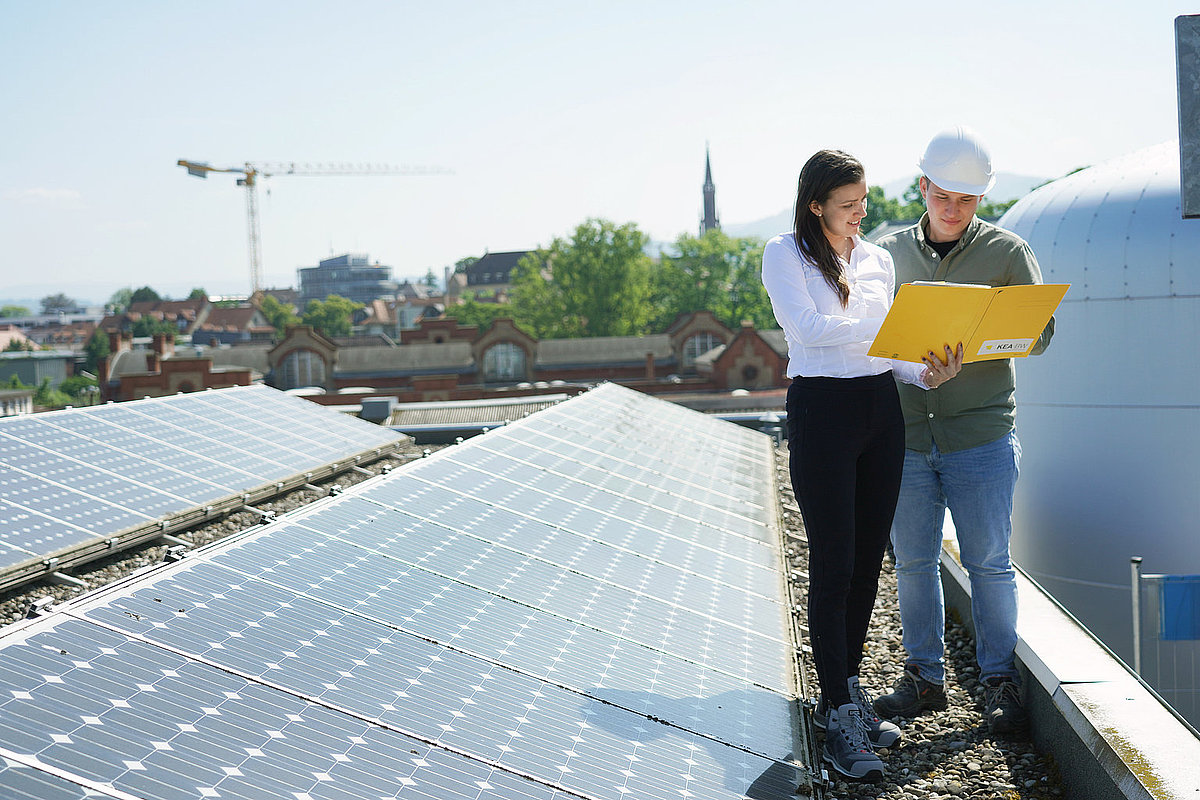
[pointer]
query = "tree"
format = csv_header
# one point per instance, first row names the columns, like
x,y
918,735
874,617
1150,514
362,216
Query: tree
x,y
120,300
48,397
96,349
473,312
749,299
279,315
987,209
197,294
80,388
912,195
912,204
598,284
716,273
331,316
462,264
880,209
430,281
14,311
15,345
148,325
145,295
56,303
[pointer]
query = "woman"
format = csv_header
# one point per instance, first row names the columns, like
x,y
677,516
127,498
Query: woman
x,y
830,291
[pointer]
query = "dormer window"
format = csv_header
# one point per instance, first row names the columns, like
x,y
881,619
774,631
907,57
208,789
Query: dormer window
x,y
697,346
504,362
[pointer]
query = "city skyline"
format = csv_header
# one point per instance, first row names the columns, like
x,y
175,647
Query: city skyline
x,y
547,116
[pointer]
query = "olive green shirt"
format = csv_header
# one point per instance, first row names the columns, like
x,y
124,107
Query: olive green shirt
x,y
978,405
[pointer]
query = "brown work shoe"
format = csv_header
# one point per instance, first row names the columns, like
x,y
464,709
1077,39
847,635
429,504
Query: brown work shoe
x,y
911,696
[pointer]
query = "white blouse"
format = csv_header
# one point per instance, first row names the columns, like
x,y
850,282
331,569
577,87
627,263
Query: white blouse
x,y
825,339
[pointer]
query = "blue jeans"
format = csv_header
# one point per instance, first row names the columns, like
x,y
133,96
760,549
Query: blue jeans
x,y
977,485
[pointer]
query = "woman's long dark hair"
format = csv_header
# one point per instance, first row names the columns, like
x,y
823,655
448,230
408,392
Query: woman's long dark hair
x,y
825,171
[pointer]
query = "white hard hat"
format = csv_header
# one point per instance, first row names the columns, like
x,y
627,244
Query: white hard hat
x,y
958,161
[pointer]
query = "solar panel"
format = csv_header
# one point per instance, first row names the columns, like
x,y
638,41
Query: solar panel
x,y
433,633
200,478
75,483
102,473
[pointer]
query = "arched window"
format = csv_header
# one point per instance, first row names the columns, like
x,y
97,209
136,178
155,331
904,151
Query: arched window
x,y
697,346
301,368
503,362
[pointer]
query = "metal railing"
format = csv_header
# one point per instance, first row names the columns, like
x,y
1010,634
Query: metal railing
x,y
1166,636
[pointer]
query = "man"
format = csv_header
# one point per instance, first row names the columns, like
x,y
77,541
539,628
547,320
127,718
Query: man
x,y
961,447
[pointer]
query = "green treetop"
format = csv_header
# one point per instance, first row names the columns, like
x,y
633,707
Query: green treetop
x,y
716,273
597,283
331,316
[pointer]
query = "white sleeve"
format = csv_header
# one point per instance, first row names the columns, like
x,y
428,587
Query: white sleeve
x,y
795,311
909,372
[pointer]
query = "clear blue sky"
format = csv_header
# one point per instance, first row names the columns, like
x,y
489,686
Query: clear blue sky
x,y
547,112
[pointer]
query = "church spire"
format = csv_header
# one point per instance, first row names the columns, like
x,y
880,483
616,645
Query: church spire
x,y
709,221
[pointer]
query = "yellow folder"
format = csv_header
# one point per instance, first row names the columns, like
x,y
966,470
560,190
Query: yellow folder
x,y
991,322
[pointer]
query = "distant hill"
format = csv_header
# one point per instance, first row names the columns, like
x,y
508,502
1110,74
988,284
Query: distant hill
x,y
1008,187
762,228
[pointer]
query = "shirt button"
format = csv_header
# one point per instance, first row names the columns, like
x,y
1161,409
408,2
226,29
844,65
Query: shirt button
x,y
931,416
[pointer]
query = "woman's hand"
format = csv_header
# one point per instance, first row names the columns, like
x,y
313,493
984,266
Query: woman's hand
x,y
938,372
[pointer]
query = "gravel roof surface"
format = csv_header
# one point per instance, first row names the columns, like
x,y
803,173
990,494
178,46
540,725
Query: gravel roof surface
x,y
947,755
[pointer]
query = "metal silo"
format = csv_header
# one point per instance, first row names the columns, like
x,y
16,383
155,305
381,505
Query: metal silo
x,y
1109,416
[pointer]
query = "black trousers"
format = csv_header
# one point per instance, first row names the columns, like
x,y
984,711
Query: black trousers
x,y
846,442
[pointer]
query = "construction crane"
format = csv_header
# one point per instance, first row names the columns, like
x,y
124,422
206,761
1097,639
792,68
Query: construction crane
x,y
251,173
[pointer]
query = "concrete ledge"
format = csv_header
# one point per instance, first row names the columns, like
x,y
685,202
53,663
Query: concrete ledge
x,y
1110,736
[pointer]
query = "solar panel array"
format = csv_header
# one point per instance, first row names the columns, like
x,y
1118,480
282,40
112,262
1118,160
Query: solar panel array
x,y
71,480
585,604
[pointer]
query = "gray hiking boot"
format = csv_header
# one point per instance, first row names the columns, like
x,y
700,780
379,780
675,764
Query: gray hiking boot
x,y
847,750
880,733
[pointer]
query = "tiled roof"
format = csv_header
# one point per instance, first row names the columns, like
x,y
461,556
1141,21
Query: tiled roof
x,y
187,308
413,291
229,319
774,337
379,312
370,340
11,333
603,350
890,226
450,357
497,262
253,356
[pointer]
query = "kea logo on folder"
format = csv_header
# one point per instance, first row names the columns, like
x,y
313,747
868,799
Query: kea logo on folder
x,y
991,321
